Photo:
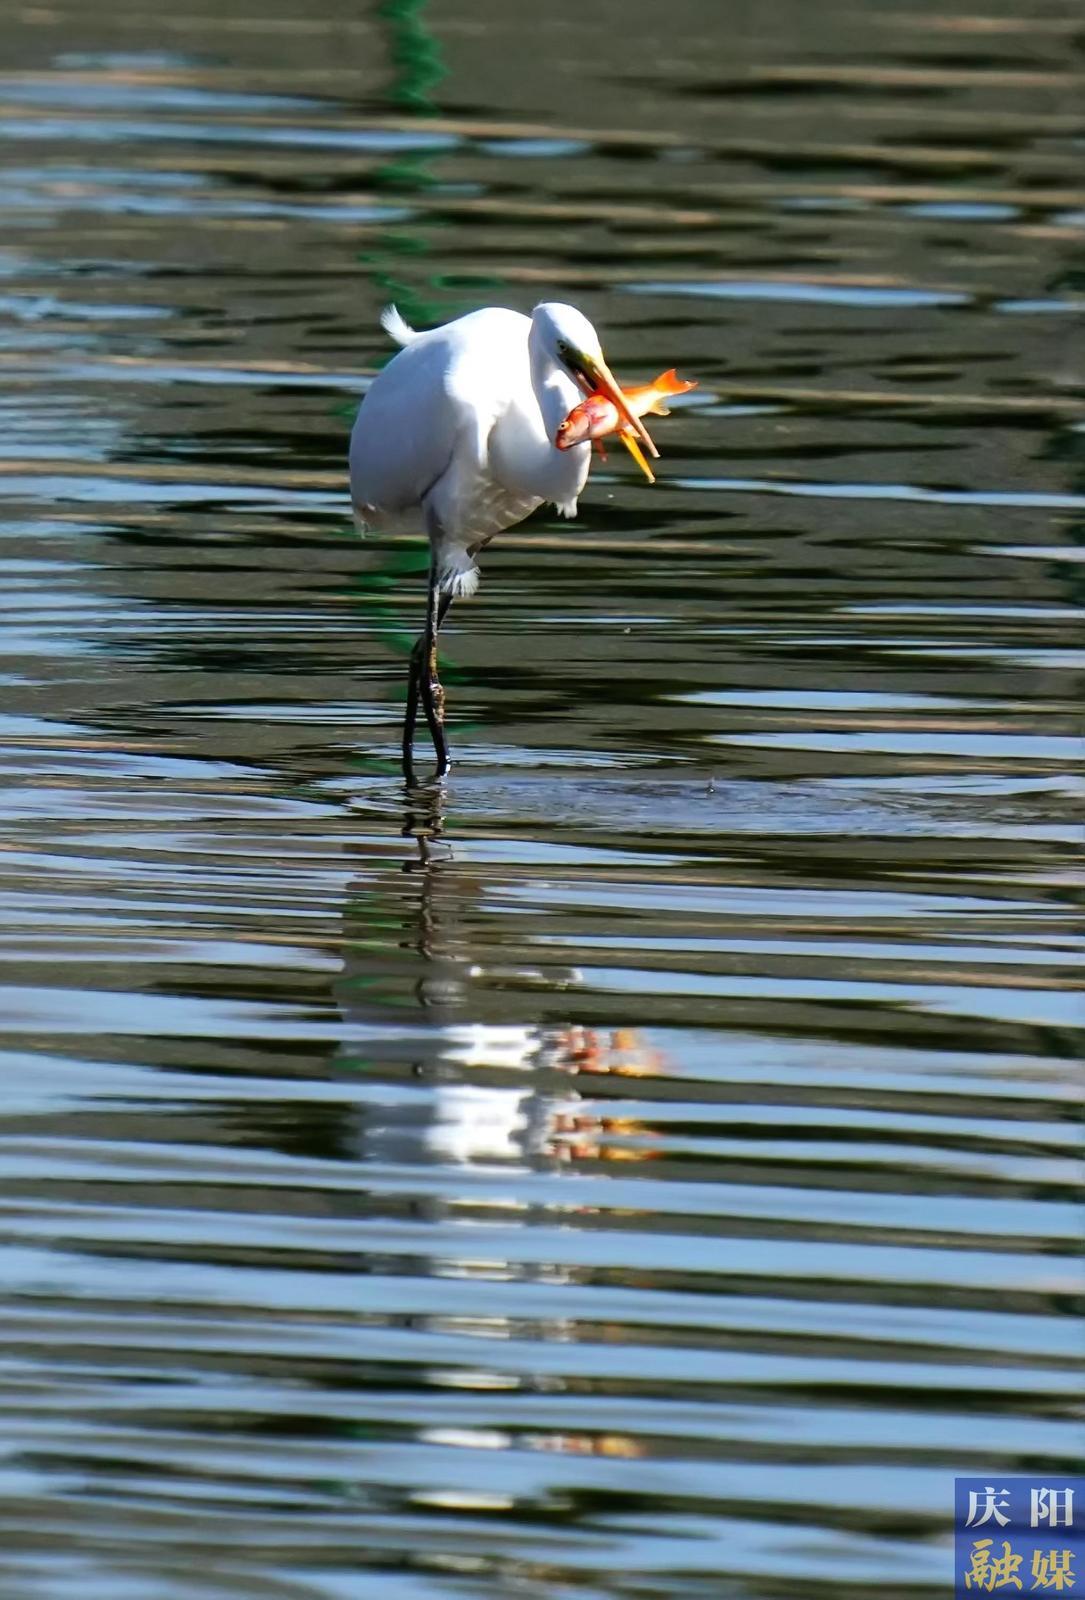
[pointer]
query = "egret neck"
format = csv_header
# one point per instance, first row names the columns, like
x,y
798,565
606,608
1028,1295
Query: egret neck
x,y
538,464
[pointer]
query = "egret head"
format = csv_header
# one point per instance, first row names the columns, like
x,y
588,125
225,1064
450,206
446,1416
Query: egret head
x,y
570,340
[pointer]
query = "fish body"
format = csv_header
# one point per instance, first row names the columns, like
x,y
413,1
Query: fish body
x,y
597,416
591,419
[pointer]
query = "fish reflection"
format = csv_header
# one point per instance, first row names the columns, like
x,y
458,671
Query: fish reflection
x,y
615,1446
474,1037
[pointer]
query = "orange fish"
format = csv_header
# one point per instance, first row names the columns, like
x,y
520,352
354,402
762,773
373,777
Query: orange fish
x,y
597,415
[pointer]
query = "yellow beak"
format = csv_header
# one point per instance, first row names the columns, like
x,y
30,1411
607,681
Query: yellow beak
x,y
605,382
637,453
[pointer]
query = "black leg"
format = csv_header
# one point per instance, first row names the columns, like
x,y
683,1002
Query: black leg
x,y
433,695
411,715
424,682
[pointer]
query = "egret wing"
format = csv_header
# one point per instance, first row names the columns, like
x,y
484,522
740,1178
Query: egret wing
x,y
404,433
433,407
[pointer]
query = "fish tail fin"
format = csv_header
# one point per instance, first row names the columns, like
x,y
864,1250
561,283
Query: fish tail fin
x,y
670,383
395,327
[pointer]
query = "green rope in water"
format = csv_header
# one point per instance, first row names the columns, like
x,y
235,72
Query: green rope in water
x,y
417,70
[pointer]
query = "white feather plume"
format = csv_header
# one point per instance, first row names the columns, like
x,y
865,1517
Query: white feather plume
x,y
395,327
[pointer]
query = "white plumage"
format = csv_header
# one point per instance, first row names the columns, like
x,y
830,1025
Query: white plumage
x,y
457,431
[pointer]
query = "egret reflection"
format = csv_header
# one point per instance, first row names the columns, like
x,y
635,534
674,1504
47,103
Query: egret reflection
x,y
493,1087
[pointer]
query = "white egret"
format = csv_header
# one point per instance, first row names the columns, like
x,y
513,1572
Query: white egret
x,y
458,431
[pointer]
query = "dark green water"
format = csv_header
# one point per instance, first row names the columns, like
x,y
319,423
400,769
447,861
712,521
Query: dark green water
x,y
650,1170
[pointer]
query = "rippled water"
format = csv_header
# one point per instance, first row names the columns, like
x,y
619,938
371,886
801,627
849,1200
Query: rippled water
x,y
649,1170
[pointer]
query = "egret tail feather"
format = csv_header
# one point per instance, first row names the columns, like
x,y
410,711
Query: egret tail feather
x,y
395,327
